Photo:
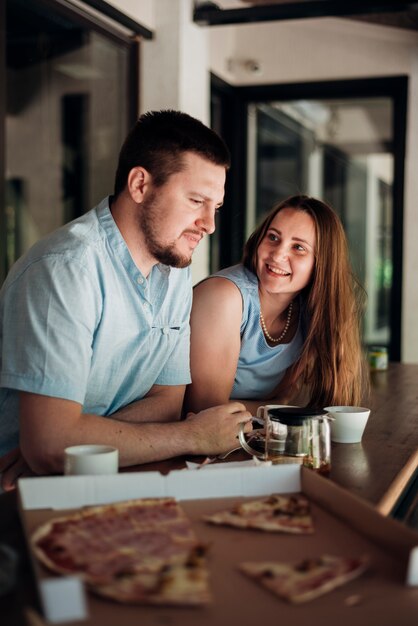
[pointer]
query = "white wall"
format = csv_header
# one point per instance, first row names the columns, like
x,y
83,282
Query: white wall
x,y
314,49
175,73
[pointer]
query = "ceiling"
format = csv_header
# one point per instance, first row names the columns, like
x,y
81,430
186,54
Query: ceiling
x,y
393,13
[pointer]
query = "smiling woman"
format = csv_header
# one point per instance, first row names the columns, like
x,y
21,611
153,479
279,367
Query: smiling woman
x,y
287,318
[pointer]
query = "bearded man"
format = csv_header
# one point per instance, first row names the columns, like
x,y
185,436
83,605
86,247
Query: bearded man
x,y
94,319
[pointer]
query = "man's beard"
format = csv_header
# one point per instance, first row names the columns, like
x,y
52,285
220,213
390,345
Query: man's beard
x,y
149,222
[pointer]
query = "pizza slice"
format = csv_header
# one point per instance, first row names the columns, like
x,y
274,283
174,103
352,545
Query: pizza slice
x,y
140,551
180,582
276,513
307,579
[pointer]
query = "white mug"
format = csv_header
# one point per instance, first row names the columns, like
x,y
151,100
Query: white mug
x,y
348,424
91,459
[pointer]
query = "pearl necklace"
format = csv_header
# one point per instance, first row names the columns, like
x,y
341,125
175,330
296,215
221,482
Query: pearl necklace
x,y
285,329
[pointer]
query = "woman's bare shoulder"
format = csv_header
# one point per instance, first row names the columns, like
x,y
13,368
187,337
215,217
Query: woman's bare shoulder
x,y
217,287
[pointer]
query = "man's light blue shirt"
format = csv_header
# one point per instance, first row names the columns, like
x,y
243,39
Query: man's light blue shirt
x,y
79,321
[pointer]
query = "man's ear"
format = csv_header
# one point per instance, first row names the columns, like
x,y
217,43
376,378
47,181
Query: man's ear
x,y
138,180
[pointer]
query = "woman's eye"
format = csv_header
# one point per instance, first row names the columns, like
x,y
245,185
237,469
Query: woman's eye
x,y
299,248
272,237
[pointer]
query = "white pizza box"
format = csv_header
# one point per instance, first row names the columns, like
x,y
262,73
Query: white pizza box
x,y
345,525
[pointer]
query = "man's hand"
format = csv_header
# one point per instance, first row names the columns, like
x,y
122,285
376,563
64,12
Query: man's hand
x,y
12,467
215,430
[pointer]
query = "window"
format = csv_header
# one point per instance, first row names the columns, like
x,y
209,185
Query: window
x,y
70,98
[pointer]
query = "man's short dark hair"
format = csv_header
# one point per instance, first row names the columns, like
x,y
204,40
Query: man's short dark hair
x,y
158,142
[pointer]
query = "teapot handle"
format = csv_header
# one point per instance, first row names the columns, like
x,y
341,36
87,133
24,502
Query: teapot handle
x,y
244,444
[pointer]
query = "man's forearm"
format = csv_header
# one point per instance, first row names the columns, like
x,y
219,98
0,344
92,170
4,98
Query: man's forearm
x,y
49,425
137,443
161,404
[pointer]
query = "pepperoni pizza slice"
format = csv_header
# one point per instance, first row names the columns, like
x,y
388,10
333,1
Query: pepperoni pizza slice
x,y
141,551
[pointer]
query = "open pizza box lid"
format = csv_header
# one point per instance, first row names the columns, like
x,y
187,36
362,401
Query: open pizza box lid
x,y
345,525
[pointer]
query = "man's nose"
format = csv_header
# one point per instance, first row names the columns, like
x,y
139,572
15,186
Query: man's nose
x,y
206,221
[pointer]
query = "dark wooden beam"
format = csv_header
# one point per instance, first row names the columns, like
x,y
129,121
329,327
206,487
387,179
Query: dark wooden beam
x,y
120,17
210,14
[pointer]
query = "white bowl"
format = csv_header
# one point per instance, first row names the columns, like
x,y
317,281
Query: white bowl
x,y
349,423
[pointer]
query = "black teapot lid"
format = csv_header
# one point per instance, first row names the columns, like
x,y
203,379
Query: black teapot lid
x,y
294,416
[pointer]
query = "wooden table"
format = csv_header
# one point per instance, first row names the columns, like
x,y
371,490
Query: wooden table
x,y
377,469
380,467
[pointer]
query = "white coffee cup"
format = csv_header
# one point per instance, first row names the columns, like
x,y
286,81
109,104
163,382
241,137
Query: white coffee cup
x,y
91,459
348,424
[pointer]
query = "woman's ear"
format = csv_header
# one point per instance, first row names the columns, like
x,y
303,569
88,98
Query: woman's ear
x,y
138,181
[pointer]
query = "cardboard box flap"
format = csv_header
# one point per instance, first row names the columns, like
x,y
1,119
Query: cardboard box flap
x,y
63,599
67,492
412,570
360,515
224,482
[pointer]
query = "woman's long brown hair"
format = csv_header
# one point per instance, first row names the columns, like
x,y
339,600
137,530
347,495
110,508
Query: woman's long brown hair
x,y
332,364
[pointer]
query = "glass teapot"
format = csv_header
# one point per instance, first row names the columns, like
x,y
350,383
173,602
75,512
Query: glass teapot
x,y
292,434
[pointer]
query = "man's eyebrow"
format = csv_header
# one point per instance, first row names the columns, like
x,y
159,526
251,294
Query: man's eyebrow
x,y
206,198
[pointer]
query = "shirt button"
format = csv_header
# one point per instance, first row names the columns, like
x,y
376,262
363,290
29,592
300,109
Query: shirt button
x,y
140,280
165,331
145,305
